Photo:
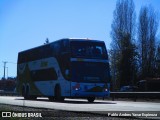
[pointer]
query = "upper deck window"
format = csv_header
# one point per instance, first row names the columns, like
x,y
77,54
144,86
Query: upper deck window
x,y
88,49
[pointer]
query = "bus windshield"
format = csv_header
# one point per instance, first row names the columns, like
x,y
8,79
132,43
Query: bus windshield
x,y
88,49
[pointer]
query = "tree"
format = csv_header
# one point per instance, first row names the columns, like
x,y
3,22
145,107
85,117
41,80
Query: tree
x,y
46,41
147,30
122,45
158,61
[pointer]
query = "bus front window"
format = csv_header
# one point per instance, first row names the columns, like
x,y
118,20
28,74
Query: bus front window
x,y
88,49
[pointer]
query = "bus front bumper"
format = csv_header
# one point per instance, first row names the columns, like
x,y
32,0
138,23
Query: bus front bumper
x,y
90,94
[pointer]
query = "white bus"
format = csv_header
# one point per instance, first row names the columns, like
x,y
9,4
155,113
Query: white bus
x,y
66,68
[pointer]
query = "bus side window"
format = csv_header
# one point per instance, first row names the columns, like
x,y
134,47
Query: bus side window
x,y
65,46
56,49
28,56
21,58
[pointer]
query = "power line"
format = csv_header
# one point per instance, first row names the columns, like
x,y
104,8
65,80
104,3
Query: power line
x,y
11,62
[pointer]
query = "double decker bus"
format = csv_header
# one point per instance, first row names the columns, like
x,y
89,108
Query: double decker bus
x,y
66,68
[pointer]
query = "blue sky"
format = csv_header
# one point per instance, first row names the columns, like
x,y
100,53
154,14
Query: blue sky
x,y
27,23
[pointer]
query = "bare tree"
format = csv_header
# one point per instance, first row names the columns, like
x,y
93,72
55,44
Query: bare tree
x,y
158,61
123,47
147,29
143,38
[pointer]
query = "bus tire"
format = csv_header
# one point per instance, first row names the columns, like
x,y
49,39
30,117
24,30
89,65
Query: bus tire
x,y
26,93
58,96
23,91
91,99
51,98
27,96
33,97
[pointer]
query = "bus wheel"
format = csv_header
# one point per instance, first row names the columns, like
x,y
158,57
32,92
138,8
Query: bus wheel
x,y
23,91
51,98
33,97
26,95
58,96
91,99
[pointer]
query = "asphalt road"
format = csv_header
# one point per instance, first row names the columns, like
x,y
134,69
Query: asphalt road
x,y
82,105
99,106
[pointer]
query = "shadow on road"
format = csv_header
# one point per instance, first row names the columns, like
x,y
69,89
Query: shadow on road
x,y
86,102
70,101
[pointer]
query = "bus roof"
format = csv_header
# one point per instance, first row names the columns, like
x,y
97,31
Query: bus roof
x,y
70,39
82,39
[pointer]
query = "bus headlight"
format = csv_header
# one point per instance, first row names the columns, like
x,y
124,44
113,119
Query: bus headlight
x,y
105,89
77,89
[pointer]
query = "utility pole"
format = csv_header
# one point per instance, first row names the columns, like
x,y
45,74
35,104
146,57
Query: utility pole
x,y
7,72
4,69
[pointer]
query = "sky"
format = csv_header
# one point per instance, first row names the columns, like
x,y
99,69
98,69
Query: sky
x,y
26,24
